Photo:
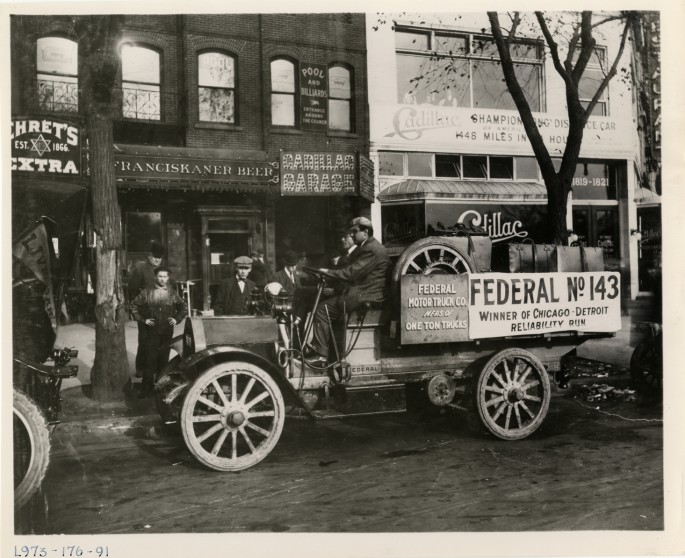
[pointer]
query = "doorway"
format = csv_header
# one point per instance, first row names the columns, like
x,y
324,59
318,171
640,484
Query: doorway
x,y
226,234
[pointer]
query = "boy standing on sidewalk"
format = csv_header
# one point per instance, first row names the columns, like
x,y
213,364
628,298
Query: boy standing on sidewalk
x,y
157,310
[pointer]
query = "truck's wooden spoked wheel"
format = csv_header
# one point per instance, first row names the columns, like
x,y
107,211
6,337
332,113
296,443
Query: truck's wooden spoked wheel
x,y
512,394
232,416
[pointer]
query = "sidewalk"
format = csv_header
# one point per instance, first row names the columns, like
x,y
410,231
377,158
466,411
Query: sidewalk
x,y
79,408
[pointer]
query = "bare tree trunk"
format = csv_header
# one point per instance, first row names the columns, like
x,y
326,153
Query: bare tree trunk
x,y
110,373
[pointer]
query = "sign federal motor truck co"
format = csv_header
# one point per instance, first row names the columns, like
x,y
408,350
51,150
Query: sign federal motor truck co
x,y
46,146
447,308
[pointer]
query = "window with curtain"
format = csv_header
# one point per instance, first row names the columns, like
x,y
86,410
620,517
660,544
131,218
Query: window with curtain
x,y
57,74
463,70
283,96
216,87
340,99
140,82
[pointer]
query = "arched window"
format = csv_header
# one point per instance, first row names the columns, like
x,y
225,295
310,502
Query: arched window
x,y
57,74
216,87
340,99
283,102
140,78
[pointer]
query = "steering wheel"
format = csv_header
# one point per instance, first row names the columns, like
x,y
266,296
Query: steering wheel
x,y
321,274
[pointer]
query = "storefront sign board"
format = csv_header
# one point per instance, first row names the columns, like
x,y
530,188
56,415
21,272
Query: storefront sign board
x,y
366,178
313,96
177,168
322,174
459,128
452,308
46,146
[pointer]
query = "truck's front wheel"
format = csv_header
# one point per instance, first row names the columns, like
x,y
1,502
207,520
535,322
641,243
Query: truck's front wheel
x,y
232,416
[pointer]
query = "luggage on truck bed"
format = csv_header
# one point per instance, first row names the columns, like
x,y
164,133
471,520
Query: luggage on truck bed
x,y
524,257
580,258
528,257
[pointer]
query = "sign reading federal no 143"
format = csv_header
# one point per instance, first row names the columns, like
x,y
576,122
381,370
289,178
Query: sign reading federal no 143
x,y
449,308
503,304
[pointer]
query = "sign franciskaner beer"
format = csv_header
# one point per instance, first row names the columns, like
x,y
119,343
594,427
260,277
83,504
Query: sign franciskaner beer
x,y
45,146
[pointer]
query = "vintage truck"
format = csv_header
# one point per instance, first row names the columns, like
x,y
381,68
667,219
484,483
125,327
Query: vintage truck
x,y
452,333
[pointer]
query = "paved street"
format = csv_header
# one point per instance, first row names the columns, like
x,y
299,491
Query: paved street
x,y
584,470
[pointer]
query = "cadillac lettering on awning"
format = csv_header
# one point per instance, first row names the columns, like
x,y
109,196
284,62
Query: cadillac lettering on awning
x,y
46,146
322,174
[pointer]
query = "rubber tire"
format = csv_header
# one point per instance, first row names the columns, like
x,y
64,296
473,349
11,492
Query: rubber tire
x,y
419,246
216,371
29,417
486,419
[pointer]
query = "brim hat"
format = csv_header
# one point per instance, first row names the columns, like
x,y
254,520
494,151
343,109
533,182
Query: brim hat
x,y
243,261
360,222
290,258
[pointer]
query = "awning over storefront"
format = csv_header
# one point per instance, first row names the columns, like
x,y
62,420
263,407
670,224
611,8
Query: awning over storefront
x,y
418,189
646,197
192,169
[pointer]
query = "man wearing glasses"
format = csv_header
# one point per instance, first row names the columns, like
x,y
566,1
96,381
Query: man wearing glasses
x,y
364,277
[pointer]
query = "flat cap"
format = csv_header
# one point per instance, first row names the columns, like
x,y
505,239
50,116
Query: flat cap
x,y
360,222
242,260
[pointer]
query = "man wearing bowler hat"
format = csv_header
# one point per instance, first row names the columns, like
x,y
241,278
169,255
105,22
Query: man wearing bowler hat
x,y
288,276
234,293
364,278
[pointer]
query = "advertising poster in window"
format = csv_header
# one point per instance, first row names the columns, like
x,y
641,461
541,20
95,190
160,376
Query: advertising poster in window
x,y
314,96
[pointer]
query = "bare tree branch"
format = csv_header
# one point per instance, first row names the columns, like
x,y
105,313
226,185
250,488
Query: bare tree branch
x,y
612,72
553,47
587,46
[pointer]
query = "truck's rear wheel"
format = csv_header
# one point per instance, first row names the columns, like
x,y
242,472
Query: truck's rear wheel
x,y
31,448
512,394
232,416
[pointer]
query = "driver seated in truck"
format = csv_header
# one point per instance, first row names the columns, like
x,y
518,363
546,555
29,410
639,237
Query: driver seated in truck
x,y
364,277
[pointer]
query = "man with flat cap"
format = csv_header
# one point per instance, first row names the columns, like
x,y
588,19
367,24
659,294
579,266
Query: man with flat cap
x,y
234,292
364,277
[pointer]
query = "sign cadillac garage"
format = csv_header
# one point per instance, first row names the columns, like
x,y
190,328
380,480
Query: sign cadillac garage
x,y
45,146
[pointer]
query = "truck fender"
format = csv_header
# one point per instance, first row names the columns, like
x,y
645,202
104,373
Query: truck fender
x,y
198,362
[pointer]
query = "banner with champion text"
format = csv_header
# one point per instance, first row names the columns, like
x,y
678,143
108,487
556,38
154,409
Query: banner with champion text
x,y
449,308
502,304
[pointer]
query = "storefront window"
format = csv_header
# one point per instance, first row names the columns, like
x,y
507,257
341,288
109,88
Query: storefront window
x,y
339,99
450,70
142,228
607,227
390,163
448,166
140,74
502,167
475,166
57,65
581,226
420,164
526,168
282,92
216,87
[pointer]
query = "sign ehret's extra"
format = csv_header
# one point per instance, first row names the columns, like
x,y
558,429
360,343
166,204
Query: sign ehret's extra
x,y
45,145
448,308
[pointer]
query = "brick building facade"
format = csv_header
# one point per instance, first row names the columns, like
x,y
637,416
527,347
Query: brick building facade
x,y
207,108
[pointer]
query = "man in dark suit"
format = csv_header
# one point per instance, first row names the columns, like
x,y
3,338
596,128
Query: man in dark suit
x,y
288,276
234,293
365,278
